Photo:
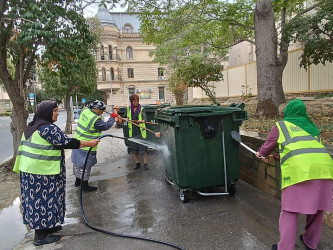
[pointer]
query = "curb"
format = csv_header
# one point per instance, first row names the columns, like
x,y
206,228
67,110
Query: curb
x,y
6,160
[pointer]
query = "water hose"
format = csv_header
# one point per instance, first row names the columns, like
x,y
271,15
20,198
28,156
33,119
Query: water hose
x,y
111,233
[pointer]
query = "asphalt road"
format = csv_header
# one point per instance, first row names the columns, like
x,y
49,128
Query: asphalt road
x,y
6,139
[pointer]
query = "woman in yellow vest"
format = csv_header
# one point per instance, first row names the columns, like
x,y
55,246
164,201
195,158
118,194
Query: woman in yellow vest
x,y
40,162
306,175
135,112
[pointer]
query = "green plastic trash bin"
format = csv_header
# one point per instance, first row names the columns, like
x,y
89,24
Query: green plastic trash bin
x,y
150,110
202,153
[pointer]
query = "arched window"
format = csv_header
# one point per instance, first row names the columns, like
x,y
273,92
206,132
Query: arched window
x,y
103,74
110,52
129,52
112,73
127,28
102,52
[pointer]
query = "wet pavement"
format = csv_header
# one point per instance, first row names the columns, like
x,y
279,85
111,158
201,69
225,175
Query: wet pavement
x,y
141,203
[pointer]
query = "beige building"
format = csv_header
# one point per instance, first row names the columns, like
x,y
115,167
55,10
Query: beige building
x,y
124,64
5,103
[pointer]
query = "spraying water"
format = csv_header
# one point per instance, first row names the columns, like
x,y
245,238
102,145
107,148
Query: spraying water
x,y
157,146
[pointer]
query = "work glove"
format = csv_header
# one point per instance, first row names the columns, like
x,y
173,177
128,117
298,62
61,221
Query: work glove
x,y
114,115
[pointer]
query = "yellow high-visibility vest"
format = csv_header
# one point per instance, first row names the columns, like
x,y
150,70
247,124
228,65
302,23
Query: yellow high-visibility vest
x,y
302,156
85,130
130,128
37,156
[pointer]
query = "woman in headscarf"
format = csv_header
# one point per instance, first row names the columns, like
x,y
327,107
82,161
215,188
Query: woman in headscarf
x,y
41,164
306,175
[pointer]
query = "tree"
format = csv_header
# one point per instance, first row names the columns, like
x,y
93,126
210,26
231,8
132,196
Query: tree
x,y
199,70
177,27
71,74
178,87
315,32
27,27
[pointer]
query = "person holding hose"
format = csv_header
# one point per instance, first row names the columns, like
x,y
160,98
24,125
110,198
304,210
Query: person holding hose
x,y
135,112
306,175
40,161
90,126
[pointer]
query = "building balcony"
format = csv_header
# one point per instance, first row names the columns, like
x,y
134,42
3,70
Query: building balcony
x,y
107,57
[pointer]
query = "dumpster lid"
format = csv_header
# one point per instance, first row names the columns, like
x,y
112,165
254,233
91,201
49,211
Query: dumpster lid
x,y
196,109
172,114
153,107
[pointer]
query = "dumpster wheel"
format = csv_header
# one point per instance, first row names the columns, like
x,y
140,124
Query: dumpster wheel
x,y
183,195
232,189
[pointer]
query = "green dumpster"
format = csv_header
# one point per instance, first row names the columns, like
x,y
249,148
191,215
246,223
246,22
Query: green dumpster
x,y
150,110
202,153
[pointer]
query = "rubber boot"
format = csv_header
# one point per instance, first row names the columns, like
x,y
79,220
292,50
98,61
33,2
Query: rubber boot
x,y
136,166
86,188
77,182
42,238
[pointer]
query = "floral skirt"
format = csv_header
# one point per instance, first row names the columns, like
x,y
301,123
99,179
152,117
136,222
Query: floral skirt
x,y
43,199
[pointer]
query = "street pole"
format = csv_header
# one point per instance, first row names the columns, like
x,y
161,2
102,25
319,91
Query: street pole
x,y
111,75
111,94
76,101
34,108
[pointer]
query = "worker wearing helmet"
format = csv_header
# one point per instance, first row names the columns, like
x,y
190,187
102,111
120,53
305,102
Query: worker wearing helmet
x,y
90,126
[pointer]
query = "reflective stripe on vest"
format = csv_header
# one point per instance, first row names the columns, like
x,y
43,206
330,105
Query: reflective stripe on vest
x,y
37,156
302,156
130,126
85,130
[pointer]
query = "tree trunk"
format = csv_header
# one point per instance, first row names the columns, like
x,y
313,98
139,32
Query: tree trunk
x,y
269,75
210,93
19,113
18,125
68,129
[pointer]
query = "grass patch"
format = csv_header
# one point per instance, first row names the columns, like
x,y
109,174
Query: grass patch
x,y
6,114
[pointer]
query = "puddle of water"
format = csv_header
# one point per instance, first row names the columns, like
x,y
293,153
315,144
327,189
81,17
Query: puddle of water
x,y
12,229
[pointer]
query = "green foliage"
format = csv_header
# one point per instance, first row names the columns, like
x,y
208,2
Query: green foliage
x,y
323,95
68,65
77,77
177,87
199,71
58,29
192,36
97,95
6,114
315,32
246,92
180,28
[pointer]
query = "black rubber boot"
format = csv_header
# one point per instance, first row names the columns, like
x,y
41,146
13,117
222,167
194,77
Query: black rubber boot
x,y
86,188
77,182
137,165
41,237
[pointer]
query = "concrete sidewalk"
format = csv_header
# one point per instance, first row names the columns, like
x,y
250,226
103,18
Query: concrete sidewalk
x,y
142,203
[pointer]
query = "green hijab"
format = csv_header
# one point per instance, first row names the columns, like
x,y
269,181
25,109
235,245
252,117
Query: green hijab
x,y
295,112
